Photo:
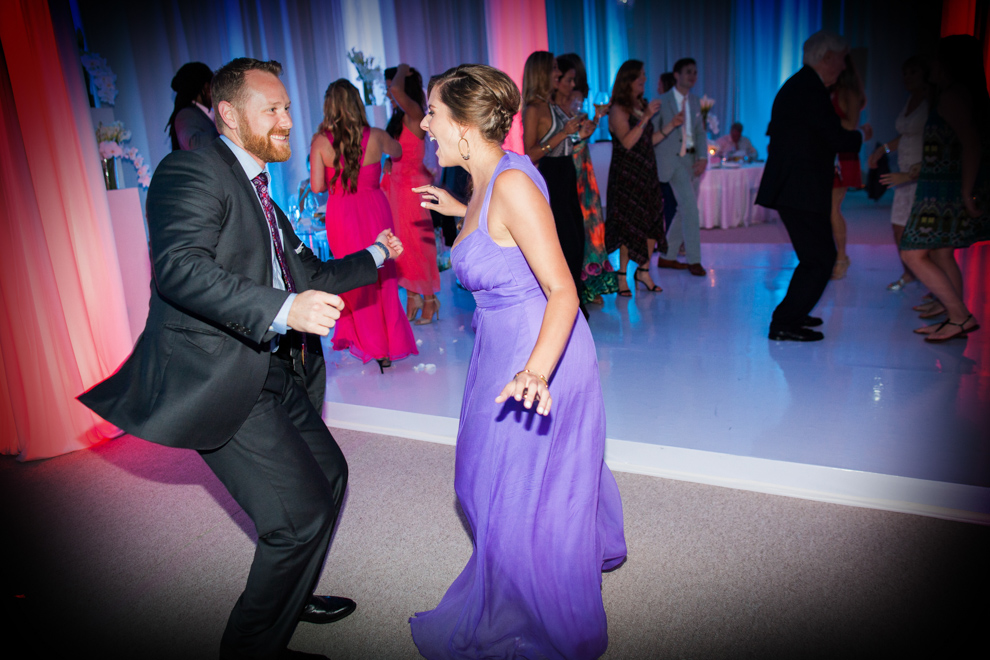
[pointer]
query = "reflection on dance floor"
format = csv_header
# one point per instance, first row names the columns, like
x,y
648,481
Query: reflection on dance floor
x,y
694,390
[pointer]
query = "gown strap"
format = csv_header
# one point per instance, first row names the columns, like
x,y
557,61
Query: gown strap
x,y
511,161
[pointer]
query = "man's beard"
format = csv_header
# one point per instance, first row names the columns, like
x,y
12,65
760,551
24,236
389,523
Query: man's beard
x,y
262,146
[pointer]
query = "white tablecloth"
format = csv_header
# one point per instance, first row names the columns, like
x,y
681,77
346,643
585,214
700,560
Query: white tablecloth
x,y
725,197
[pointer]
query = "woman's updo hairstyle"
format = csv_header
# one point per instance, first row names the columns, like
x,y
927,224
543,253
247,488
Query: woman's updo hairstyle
x,y
479,95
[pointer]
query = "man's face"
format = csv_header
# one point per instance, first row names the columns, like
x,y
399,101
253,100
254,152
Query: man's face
x,y
687,76
832,65
263,120
736,133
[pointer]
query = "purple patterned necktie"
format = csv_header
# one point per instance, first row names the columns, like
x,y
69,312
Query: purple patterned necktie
x,y
261,185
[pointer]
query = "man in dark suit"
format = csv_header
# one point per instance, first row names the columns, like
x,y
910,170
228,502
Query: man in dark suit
x,y
805,135
214,369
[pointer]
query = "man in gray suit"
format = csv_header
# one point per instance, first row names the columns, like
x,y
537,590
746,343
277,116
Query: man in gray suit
x,y
680,162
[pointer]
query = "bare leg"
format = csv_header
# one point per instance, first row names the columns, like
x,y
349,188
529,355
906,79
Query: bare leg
x,y
644,276
944,280
945,259
907,275
839,232
623,265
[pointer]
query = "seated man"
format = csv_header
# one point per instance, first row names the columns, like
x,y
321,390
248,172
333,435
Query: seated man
x,y
734,146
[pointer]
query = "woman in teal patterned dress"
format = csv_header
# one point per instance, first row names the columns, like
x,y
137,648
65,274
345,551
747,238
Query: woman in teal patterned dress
x,y
953,196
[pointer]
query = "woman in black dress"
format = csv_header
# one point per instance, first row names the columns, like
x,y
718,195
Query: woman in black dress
x,y
634,216
547,141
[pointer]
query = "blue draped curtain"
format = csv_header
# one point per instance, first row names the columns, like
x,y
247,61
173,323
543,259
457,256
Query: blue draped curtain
x,y
745,49
146,42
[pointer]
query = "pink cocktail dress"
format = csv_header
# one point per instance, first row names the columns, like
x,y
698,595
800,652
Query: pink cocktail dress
x,y
373,324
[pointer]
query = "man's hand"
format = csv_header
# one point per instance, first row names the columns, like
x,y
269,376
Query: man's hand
x,y
315,311
391,243
699,166
867,132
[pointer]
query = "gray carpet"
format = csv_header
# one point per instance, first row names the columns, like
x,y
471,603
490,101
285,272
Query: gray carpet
x,y
132,550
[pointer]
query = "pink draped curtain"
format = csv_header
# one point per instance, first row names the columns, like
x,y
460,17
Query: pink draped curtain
x,y
515,29
63,323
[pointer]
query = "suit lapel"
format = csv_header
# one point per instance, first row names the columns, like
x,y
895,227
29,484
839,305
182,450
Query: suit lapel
x,y
250,199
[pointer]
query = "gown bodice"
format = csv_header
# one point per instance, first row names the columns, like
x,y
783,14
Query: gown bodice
x,y
497,276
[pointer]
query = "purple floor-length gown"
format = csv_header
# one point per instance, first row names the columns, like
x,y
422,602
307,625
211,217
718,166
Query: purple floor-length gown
x,y
544,509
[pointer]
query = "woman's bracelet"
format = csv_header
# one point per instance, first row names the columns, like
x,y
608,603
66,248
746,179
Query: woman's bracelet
x,y
546,148
533,373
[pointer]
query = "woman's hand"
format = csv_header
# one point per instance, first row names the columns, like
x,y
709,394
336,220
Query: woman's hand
x,y
651,109
439,200
528,388
678,119
895,178
391,243
572,125
601,110
587,128
875,157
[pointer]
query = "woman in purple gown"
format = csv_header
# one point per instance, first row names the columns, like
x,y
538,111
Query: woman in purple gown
x,y
544,510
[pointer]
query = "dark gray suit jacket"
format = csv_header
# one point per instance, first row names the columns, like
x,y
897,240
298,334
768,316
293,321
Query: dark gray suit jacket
x,y
200,364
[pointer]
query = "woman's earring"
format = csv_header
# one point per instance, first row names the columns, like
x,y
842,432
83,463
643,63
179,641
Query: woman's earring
x,y
466,156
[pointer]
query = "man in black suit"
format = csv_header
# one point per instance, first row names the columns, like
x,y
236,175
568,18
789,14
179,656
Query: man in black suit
x,y
214,370
805,135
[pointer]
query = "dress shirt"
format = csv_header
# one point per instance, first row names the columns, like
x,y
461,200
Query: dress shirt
x,y
686,126
728,148
252,169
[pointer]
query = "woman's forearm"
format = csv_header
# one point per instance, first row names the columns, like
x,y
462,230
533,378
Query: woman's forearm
x,y
555,331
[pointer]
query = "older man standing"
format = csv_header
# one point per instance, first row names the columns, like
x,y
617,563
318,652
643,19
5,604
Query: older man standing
x,y
215,369
805,135
680,162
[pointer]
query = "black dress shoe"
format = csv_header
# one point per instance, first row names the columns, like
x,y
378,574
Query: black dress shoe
x,y
795,334
327,609
810,322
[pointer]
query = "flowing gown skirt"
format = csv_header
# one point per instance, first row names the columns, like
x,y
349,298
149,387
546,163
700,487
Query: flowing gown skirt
x,y
544,510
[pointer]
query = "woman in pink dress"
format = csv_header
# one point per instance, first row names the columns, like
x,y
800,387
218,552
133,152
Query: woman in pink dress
x,y
417,268
345,157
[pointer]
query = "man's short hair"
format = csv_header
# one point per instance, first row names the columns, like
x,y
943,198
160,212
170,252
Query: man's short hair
x,y
736,125
683,62
228,81
820,43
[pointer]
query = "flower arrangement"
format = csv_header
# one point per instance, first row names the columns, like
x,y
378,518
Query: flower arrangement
x,y
110,139
367,73
710,121
102,76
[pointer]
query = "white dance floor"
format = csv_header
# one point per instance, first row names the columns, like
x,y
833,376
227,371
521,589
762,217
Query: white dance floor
x,y
871,416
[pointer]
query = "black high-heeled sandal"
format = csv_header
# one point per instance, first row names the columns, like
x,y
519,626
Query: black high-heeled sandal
x,y
383,364
646,269
624,293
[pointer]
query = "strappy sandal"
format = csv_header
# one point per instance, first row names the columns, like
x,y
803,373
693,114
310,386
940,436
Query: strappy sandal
x,y
624,293
899,283
962,331
646,269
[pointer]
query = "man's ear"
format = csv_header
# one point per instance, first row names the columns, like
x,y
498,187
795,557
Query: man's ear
x,y
228,114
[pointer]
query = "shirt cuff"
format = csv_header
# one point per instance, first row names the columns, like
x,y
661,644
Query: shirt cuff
x,y
376,252
281,322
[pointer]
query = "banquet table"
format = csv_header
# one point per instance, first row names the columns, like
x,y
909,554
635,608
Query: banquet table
x,y
726,195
